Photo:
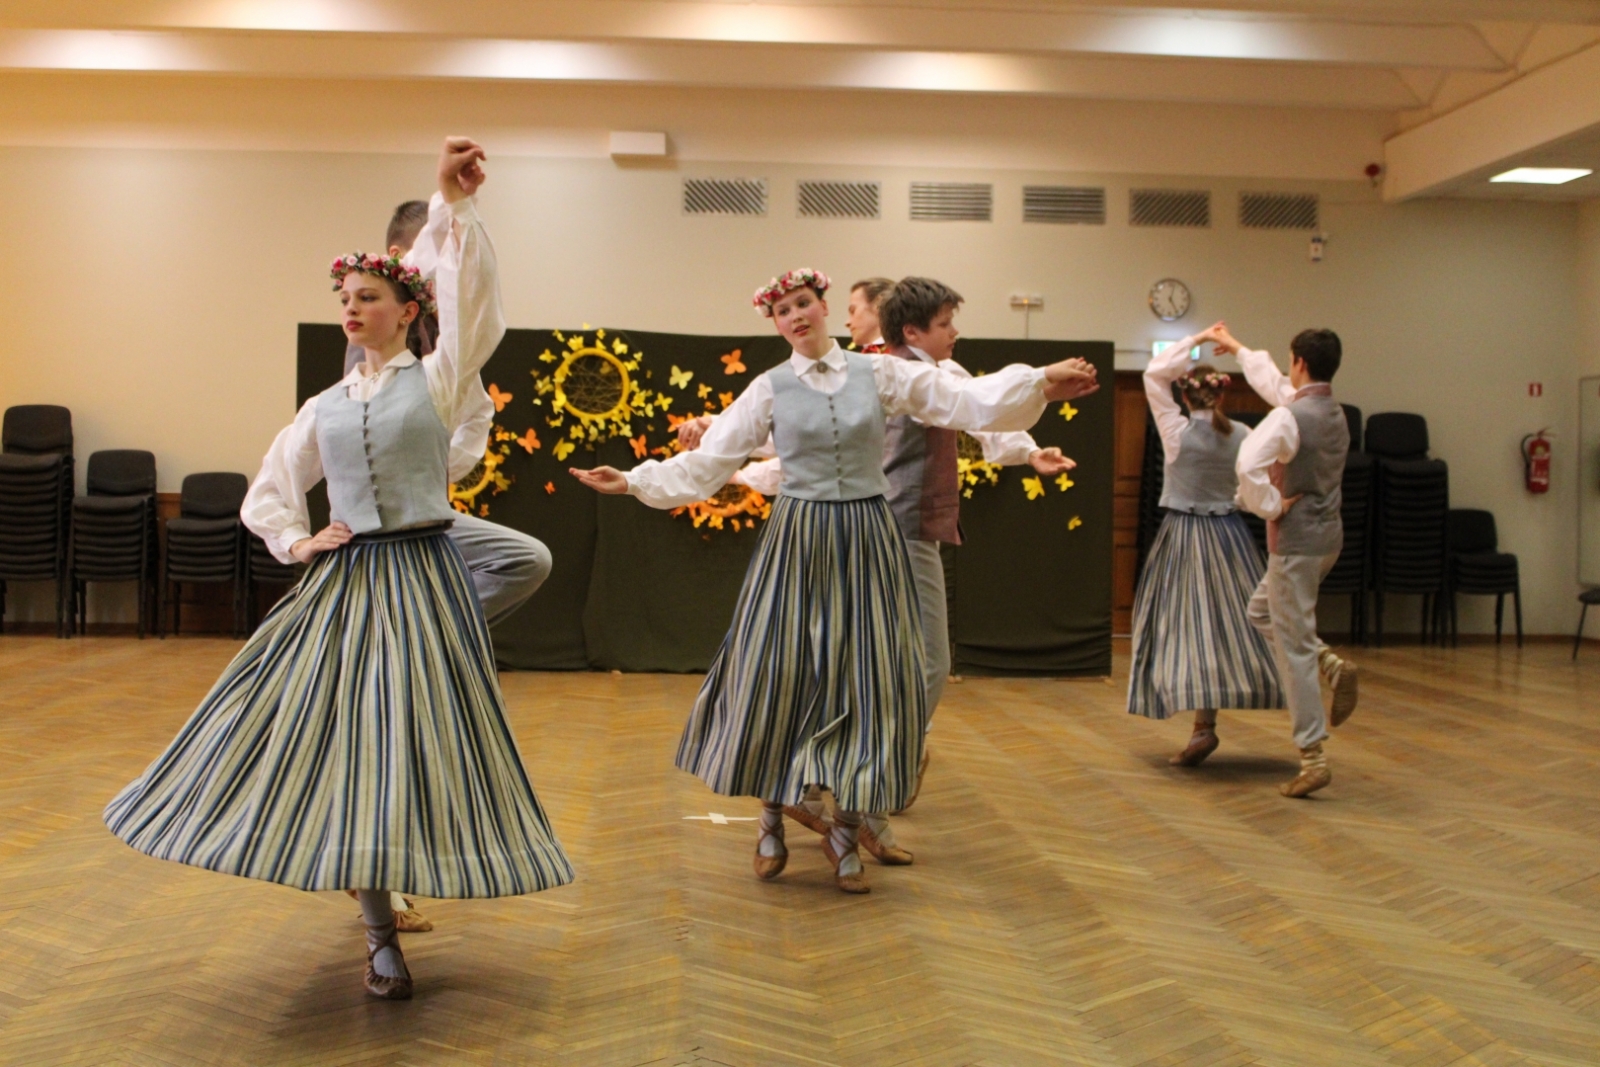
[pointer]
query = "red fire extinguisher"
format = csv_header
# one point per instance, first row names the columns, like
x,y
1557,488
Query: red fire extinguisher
x,y
1536,462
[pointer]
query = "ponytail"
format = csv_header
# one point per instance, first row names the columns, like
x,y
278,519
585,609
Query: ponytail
x,y
1220,421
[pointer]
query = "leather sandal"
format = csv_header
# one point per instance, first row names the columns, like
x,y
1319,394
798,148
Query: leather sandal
x,y
769,867
888,855
1201,744
803,815
849,883
410,921
382,986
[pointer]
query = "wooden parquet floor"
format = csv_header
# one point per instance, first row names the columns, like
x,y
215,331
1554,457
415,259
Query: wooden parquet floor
x,y
1075,900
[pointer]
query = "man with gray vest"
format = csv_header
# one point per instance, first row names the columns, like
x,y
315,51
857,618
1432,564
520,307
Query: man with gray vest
x,y
1290,470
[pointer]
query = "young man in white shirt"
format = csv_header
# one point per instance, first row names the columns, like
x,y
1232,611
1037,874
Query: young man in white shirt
x,y
1290,471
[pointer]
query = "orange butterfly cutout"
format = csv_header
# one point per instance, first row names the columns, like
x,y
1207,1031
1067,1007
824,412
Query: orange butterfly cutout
x,y
638,446
726,398
549,487
734,365
674,421
500,399
529,441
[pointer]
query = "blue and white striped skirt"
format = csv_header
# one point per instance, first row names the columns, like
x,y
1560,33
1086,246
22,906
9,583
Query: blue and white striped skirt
x,y
357,741
1193,645
819,680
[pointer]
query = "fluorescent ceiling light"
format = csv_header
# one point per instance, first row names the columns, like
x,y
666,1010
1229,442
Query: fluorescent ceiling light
x,y
1542,175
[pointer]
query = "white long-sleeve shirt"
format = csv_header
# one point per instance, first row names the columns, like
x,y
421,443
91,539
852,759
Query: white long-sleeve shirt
x,y
471,325
1164,369
1274,442
1012,399
1009,449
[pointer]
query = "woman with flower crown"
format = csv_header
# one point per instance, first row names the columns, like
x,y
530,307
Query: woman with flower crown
x,y
1193,646
819,680
359,739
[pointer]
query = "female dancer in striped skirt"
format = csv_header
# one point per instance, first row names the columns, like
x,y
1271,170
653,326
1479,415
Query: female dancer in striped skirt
x,y
820,677
359,739
1193,645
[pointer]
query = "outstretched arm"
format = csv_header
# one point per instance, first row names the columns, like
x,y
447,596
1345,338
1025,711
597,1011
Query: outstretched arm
x,y
1011,399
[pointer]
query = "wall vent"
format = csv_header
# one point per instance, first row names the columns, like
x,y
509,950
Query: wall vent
x,y
1085,205
725,196
1169,207
1278,211
952,201
840,200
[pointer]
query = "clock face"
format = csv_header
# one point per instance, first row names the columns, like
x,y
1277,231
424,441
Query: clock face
x,y
1169,299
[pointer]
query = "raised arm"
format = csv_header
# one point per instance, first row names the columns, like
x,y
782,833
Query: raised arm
x,y
275,507
1275,441
1270,383
1164,369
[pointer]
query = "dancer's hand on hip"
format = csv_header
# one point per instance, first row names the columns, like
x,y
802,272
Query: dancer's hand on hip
x,y
1050,461
327,539
602,479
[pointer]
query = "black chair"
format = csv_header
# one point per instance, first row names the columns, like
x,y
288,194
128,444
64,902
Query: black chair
x,y
114,529
1478,568
1587,597
1397,435
1408,523
36,479
264,569
1349,576
205,544
1352,418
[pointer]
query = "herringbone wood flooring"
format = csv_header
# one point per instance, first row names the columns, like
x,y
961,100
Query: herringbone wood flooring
x,y
1075,901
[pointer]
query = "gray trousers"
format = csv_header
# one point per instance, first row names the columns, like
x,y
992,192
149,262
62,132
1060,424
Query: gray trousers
x,y
507,566
1284,609
927,571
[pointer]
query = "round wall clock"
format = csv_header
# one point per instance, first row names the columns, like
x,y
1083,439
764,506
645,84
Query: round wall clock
x,y
1169,299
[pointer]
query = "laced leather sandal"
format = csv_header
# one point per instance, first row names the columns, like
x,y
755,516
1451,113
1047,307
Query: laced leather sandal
x,y
769,867
382,986
815,823
1344,679
848,883
410,921
1201,744
888,855
1314,773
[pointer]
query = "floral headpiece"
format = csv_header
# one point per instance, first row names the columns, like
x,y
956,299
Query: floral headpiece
x,y
410,278
1211,379
777,288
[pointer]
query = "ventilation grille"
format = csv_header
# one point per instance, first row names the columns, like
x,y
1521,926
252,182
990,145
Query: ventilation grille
x,y
840,200
1168,207
1278,211
952,201
725,196
1064,203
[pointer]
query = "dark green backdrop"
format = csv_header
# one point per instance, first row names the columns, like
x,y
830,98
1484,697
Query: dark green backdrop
x,y
638,590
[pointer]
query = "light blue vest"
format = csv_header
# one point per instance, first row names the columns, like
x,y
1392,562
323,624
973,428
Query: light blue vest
x,y
830,446
1202,480
385,460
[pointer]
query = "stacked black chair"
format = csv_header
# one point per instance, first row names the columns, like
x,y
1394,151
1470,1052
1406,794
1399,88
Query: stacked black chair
x,y
264,569
1478,568
205,544
36,473
1349,575
1413,497
114,529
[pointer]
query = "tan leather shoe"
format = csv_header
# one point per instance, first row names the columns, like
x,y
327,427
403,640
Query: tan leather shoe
x,y
769,867
382,986
849,883
1344,678
412,921
888,855
916,790
803,815
1201,744
1314,773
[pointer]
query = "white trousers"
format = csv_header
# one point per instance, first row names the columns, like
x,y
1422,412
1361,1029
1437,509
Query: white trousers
x,y
927,571
1284,609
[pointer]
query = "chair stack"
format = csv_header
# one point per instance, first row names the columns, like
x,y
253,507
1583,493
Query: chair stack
x,y
114,529
264,569
1350,573
1413,497
205,544
1477,567
36,476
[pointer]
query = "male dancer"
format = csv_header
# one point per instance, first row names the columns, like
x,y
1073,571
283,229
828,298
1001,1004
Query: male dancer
x,y
1290,471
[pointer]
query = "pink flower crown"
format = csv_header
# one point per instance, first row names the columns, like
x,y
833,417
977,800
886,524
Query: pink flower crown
x,y
1209,380
778,288
390,267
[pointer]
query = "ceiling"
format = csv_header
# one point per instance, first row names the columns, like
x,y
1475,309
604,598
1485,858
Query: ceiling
x,y
1415,60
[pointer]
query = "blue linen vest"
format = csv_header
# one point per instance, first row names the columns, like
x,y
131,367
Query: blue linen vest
x,y
386,459
829,445
1202,480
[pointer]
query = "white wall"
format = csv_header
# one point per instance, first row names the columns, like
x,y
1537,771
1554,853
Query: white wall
x,y
158,291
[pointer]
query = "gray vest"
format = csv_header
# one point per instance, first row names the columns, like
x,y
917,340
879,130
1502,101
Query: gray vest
x,y
385,460
921,463
830,446
1314,527
1202,479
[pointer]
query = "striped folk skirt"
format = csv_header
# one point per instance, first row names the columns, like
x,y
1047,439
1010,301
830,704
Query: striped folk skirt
x,y
1193,645
357,741
819,680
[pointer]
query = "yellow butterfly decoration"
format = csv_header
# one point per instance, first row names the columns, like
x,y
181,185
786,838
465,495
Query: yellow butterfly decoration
x,y
681,378
704,390
1034,487
734,364
500,399
547,356
1074,522
1064,483
619,346
726,398
529,441
1068,411
564,449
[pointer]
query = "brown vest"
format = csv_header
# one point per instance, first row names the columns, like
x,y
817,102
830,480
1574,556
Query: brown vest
x,y
924,484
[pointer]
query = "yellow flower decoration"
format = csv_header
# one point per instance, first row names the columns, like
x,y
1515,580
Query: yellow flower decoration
x,y
1034,487
1064,483
704,390
1068,411
1074,522
680,378
564,449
